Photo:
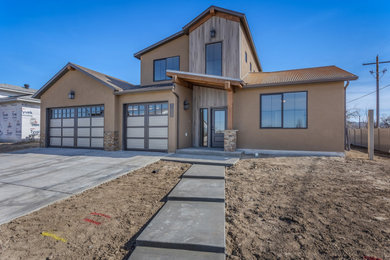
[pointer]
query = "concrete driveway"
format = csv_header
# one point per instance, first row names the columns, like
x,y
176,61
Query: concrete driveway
x,y
34,178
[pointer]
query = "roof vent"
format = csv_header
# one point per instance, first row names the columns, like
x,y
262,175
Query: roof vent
x,y
26,86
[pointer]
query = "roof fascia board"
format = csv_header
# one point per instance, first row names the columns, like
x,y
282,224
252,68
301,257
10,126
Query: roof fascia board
x,y
129,91
61,73
159,43
176,72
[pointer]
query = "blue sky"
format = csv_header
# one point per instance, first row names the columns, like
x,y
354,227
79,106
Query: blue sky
x,y
37,38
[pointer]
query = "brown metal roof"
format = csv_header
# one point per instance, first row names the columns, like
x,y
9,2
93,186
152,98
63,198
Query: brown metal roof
x,y
298,76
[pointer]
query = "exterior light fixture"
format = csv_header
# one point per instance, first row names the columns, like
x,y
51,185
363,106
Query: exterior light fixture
x,y
212,33
71,94
186,105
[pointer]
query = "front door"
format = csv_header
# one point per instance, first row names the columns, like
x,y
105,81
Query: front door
x,y
218,126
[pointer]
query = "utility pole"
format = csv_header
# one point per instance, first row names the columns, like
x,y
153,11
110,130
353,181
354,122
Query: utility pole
x,y
377,84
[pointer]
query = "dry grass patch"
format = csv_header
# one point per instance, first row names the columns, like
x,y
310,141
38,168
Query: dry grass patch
x,y
308,208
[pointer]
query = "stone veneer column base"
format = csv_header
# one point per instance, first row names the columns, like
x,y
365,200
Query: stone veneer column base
x,y
42,141
111,140
230,140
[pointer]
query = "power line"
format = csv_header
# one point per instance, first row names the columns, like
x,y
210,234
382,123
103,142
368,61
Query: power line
x,y
368,94
377,83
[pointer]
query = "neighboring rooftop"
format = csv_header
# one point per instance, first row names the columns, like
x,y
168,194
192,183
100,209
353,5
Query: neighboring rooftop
x,y
298,76
16,89
26,98
211,11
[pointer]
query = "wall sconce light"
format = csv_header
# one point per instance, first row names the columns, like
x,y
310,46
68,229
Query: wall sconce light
x,y
186,105
71,94
212,33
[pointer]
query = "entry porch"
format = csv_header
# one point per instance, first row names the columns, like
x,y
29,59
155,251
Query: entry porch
x,y
212,108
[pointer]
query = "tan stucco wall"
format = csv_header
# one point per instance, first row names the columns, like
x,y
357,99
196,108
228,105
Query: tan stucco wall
x,y
185,116
325,130
83,85
177,47
151,96
244,47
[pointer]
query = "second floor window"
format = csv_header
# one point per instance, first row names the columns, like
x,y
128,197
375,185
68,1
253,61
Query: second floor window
x,y
162,65
214,59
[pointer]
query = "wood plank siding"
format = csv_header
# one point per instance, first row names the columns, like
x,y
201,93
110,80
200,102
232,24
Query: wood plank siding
x,y
227,32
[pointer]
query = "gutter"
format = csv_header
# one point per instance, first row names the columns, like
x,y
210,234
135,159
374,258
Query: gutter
x,y
177,121
140,90
346,139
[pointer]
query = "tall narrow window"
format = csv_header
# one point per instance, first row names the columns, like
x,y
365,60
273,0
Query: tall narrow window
x,y
271,110
161,66
204,127
214,59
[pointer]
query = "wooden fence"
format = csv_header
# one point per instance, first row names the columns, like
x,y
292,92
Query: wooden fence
x,y
359,137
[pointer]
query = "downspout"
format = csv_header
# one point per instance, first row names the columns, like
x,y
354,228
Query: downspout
x,y
177,121
346,139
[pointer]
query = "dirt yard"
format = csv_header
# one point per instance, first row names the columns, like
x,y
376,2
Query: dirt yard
x,y
9,147
309,208
127,204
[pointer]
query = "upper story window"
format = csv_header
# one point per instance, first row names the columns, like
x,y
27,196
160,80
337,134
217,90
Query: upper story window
x,y
283,110
250,66
162,65
214,58
246,57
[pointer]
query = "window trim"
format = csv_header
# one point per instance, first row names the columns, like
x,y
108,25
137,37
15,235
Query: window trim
x,y
205,58
154,61
282,115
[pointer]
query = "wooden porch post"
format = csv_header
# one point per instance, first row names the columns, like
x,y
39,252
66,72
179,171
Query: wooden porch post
x,y
229,105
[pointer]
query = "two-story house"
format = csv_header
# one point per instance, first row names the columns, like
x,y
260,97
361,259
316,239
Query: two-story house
x,y
201,87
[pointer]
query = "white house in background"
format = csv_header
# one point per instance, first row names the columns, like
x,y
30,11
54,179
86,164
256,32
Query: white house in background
x,y
19,114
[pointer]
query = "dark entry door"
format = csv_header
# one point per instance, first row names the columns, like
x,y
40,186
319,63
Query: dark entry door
x,y
218,126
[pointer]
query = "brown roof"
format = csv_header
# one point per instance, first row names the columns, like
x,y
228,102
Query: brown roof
x,y
111,82
298,76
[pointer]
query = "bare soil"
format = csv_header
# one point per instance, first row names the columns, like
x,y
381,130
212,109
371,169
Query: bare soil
x,y
130,202
9,147
309,208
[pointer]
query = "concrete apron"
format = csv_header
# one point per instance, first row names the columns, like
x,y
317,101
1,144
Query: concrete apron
x,y
191,225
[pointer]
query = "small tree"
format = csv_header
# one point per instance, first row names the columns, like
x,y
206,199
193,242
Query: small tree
x,y
385,121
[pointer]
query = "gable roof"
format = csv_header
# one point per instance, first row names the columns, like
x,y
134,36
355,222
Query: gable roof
x,y
16,89
298,76
109,81
186,29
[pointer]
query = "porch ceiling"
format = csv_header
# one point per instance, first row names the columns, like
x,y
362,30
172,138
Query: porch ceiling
x,y
187,79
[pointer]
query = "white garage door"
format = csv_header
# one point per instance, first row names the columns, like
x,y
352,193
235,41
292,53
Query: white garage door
x,y
147,126
81,127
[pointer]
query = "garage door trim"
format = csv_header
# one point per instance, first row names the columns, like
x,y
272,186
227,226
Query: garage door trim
x,y
75,126
146,126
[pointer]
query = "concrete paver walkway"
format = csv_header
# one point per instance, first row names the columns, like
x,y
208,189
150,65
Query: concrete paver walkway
x,y
34,178
191,225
